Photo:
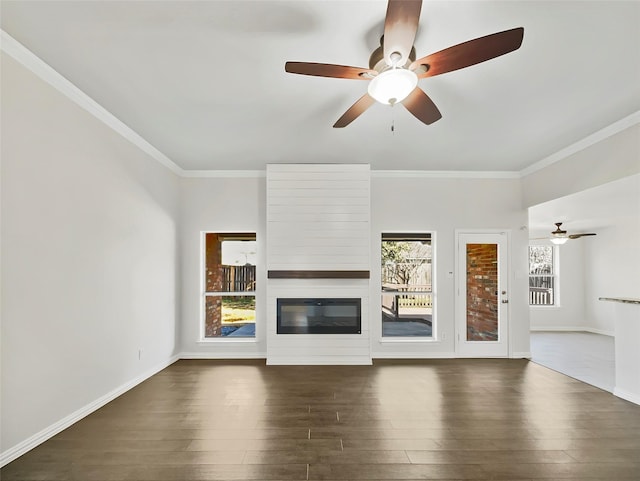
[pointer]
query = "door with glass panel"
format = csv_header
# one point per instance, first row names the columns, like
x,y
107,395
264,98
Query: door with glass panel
x,y
482,300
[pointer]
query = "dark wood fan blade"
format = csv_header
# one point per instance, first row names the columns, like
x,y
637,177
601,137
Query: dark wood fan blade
x,y
362,104
577,236
422,107
400,26
330,70
469,53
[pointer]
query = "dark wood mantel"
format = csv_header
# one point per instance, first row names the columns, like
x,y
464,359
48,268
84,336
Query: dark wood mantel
x,y
304,274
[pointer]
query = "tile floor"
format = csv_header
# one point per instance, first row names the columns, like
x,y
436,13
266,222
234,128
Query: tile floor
x,y
584,356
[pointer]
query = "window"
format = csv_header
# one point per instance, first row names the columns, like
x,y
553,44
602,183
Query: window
x,y
543,275
229,285
407,297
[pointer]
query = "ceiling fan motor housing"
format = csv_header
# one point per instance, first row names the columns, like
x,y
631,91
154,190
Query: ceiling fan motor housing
x,y
559,231
378,63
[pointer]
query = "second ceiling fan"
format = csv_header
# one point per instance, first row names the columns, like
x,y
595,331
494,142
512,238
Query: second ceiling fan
x,y
394,71
560,236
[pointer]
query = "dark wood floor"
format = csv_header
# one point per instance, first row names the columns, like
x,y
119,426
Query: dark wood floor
x,y
439,419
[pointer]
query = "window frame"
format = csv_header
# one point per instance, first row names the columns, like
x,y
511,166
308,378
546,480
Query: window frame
x,y
411,235
204,293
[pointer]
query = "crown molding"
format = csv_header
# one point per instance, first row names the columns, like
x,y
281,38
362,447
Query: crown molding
x,y
433,174
35,64
223,173
445,174
600,135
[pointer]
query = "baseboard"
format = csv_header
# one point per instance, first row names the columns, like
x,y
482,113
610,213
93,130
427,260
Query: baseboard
x,y
413,355
222,355
572,329
520,355
600,331
627,396
28,444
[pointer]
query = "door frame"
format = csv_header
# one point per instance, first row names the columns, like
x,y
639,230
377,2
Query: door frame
x,y
460,306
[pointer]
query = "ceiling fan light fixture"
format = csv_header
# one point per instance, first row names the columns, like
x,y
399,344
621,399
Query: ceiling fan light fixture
x,y
557,240
393,86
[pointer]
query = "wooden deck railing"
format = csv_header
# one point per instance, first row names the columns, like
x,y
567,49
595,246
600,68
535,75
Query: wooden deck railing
x,y
238,278
407,295
541,296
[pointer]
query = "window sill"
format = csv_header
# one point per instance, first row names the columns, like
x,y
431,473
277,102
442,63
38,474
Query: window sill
x,y
404,340
545,308
218,340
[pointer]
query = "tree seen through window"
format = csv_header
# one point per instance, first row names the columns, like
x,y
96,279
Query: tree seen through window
x,y
407,294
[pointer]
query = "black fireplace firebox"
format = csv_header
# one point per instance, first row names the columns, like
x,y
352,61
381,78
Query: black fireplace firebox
x,y
319,316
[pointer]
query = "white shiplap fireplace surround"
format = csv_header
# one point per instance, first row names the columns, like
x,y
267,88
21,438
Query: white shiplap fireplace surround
x,y
318,242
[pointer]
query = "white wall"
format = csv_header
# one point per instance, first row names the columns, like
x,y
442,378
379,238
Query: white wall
x,y
568,314
612,269
442,205
612,258
220,204
89,261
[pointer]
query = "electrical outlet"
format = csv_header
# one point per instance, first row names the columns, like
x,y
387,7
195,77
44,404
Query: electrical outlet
x,y
443,336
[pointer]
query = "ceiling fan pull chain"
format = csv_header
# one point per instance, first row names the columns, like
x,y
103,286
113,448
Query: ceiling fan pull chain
x,y
393,121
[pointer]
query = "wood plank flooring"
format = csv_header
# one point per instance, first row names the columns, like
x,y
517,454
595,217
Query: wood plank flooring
x,y
396,420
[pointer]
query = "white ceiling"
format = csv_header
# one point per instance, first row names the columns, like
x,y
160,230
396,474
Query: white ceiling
x,y
591,210
204,81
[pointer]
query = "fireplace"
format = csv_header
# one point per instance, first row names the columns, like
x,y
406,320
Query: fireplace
x,y
319,316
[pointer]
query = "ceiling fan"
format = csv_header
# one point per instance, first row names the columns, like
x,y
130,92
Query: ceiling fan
x,y
560,236
394,71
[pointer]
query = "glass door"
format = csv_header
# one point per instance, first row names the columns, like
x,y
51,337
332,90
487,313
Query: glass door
x,y
482,295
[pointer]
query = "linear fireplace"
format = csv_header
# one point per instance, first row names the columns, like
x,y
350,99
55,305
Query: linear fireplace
x,y
319,316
